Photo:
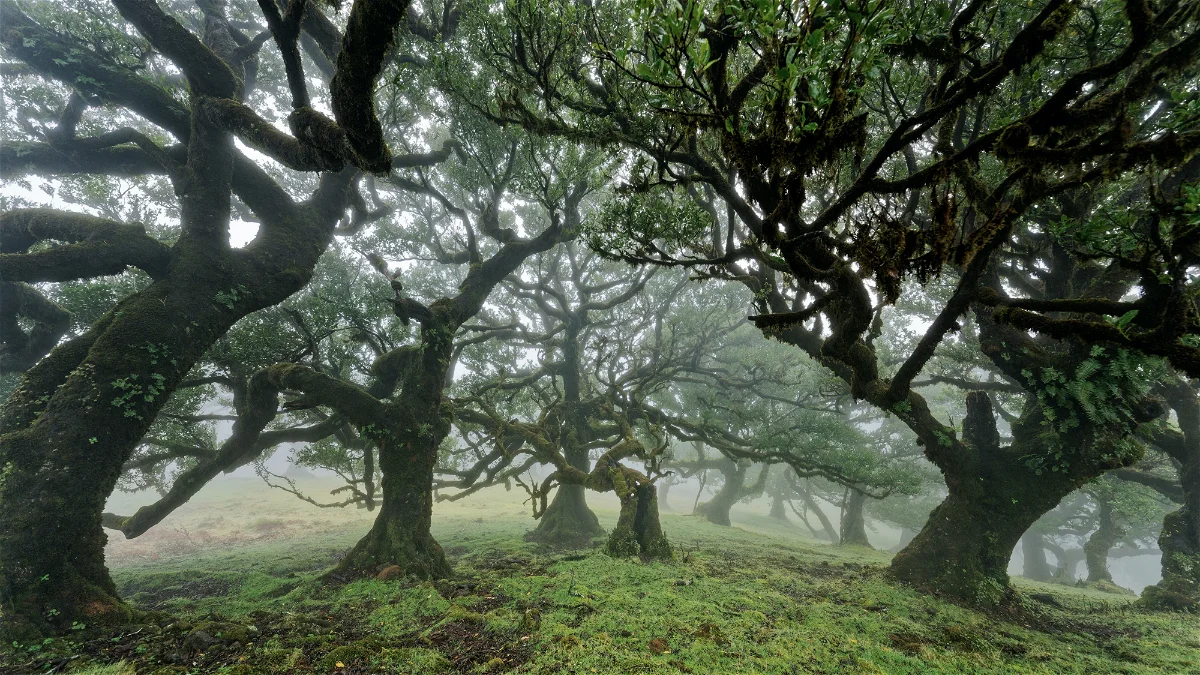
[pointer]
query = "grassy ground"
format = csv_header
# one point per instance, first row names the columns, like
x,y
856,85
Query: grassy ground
x,y
236,577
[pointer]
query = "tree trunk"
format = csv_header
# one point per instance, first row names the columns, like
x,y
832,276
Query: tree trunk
x,y
568,522
1179,542
1095,551
638,531
664,489
906,536
401,532
826,525
965,547
854,524
716,510
777,509
1066,562
1033,550
61,466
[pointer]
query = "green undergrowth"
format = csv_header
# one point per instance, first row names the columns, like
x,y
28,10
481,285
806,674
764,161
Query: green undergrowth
x,y
754,598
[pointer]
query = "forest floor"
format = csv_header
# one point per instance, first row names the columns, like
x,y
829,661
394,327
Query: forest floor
x,y
235,575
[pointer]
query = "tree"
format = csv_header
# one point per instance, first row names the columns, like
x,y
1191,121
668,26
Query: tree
x,y
842,172
89,401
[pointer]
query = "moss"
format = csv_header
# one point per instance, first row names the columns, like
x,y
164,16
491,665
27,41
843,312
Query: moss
x,y
349,656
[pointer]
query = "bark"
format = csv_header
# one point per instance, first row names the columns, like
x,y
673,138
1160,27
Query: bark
x,y
964,549
854,524
777,508
1095,551
401,532
1180,585
1179,540
568,521
638,531
1033,550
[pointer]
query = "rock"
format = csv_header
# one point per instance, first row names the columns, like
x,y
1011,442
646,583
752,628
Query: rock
x,y
390,572
199,641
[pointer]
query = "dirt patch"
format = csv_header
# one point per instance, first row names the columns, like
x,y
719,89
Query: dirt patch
x,y
467,645
149,596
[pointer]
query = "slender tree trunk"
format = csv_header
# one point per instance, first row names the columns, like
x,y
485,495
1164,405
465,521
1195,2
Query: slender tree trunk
x,y
1033,550
826,525
1095,551
699,492
568,521
854,524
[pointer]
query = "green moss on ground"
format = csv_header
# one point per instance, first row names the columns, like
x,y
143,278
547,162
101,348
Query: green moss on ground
x,y
754,598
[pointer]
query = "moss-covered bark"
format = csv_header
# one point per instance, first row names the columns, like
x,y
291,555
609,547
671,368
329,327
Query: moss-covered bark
x,y
964,549
568,521
639,531
1179,539
1180,585
854,523
401,532
1095,550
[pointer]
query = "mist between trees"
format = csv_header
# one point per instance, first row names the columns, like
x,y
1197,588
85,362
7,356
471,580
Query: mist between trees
x,y
925,266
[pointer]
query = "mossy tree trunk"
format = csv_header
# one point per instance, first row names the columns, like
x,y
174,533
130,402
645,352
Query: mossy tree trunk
x,y
854,523
568,521
639,531
411,427
401,532
1095,550
964,549
79,413
733,489
1179,539
1033,552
